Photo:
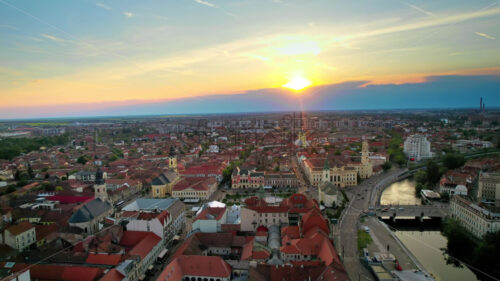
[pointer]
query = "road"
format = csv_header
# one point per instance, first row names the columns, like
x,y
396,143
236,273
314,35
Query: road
x,y
346,232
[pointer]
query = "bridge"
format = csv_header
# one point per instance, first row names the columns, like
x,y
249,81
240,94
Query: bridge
x,y
416,211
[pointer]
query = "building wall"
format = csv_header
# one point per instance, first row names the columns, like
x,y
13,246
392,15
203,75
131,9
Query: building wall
x,y
205,225
249,216
489,187
21,241
472,218
417,146
148,226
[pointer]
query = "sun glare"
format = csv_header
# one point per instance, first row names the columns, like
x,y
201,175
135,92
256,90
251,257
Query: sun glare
x,y
297,83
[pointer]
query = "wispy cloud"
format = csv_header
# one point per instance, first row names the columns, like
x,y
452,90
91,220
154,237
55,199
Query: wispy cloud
x,y
102,5
206,3
487,36
53,38
428,23
421,10
7,26
128,14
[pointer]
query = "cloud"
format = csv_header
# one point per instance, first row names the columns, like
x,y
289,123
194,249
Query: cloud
x,y
421,10
53,38
485,35
102,5
434,22
128,14
206,3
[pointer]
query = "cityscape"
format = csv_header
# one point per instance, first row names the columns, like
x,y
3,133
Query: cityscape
x,y
249,140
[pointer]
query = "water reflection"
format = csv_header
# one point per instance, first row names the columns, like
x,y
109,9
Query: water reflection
x,y
426,247
400,193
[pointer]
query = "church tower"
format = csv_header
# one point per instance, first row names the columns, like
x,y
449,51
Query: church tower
x,y
326,170
172,159
365,153
100,186
366,166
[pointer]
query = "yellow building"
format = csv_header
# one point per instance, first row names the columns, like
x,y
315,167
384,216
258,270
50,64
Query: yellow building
x,y
161,186
339,172
365,168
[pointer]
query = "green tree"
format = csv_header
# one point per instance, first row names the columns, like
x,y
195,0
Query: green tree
x,y
433,174
445,196
460,243
83,159
387,166
453,161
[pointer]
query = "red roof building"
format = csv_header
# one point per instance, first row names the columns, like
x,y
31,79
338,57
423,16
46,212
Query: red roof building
x,y
197,267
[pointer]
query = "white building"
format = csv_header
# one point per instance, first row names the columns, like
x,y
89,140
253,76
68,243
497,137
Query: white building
x,y
489,188
20,236
474,218
418,147
210,219
156,222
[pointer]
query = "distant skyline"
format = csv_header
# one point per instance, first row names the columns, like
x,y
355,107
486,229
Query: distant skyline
x,y
438,92
80,58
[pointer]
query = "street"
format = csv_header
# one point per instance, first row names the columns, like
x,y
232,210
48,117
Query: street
x,y
346,232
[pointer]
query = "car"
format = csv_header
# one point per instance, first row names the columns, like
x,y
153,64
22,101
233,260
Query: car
x,y
385,209
401,209
366,229
392,209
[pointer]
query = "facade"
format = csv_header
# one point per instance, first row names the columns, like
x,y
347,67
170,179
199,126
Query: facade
x,y
338,172
329,194
256,212
89,215
156,222
210,219
174,206
474,218
281,180
161,186
194,188
489,188
20,236
243,178
209,268
417,147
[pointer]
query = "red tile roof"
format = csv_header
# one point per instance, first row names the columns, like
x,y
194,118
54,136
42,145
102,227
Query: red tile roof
x,y
20,228
203,266
200,184
69,199
112,275
211,213
313,218
104,259
144,247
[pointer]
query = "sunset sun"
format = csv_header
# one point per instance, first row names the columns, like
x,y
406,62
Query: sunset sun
x,y
297,83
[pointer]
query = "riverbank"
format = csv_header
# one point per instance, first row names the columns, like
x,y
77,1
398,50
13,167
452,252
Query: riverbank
x,y
384,241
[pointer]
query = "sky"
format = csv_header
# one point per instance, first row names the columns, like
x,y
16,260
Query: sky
x,y
62,57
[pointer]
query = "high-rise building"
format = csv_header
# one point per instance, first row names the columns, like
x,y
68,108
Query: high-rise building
x,y
489,188
417,147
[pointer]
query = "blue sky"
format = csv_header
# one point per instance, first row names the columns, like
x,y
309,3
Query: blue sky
x,y
55,54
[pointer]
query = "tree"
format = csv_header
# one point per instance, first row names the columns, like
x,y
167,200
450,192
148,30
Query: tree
x,y
82,159
445,196
433,174
460,244
387,166
453,161
31,174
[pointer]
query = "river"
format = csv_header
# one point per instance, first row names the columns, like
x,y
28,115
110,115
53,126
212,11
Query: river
x,y
400,193
424,245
